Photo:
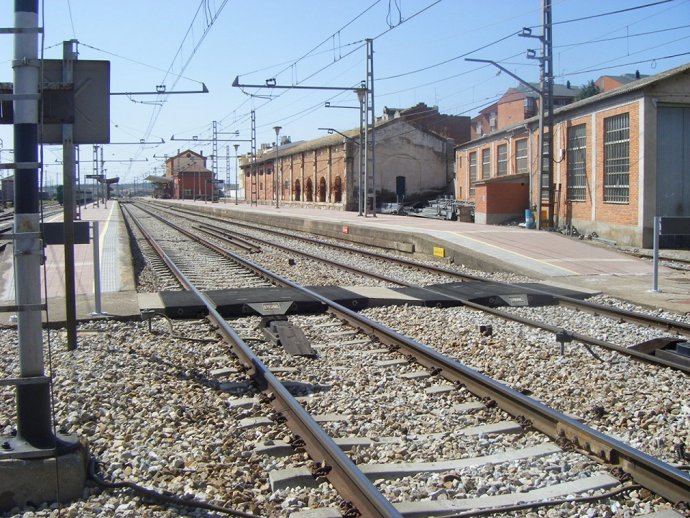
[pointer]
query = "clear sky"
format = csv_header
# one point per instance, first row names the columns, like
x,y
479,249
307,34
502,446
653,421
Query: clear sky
x,y
419,49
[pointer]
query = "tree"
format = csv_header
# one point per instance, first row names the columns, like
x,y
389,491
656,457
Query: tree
x,y
59,194
587,90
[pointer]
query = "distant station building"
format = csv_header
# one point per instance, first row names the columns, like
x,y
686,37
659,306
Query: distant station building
x,y
413,162
186,178
620,159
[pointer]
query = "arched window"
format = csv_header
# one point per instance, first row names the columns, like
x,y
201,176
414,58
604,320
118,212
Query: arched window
x,y
298,191
337,190
322,190
309,187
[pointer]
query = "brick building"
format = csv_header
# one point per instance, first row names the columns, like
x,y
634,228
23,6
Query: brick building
x,y
606,83
620,158
517,105
412,163
191,180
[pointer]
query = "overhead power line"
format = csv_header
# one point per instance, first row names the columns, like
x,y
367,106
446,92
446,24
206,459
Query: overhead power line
x,y
601,40
600,15
449,60
651,60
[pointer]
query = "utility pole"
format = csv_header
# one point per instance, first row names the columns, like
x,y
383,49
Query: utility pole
x,y
253,177
68,159
545,92
23,456
237,185
369,135
547,151
276,179
361,166
365,93
214,160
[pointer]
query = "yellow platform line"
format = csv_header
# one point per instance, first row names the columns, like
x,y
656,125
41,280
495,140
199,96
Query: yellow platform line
x,y
547,263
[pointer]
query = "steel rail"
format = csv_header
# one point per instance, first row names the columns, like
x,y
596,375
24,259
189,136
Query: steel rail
x,y
632,353
228,237
332,262
654,474
625,315
154,244
340,471
250,249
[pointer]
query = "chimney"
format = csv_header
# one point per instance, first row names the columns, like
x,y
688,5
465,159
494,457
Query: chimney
x,y
637,74
567,84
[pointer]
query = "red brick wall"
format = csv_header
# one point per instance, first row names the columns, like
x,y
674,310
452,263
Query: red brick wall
x,y
510,113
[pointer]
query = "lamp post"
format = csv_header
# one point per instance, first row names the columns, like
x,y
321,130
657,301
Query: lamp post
x,y
276,182
237,185
361,95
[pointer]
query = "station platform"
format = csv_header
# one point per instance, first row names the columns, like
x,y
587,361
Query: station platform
x,y
545,256
118,290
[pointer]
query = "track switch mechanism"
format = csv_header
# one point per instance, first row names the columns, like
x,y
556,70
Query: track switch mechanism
x,y
278,330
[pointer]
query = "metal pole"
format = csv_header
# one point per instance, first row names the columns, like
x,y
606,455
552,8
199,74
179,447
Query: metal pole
x,y
33,400
237,185
276,180
547,52
372,120
68,57
361,93
96,268
655,271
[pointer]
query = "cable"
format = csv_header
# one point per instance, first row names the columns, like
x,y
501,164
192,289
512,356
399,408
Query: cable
x,y
71,21
449,60
620,37
624,64
155,495
330,37
135,61
408,19
600,15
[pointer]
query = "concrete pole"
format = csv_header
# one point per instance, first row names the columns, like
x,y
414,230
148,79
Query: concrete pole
x,y
237,185
33,400
276,179
361,169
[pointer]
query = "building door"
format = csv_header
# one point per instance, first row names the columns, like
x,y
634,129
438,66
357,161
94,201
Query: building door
x,y
673,168
400,188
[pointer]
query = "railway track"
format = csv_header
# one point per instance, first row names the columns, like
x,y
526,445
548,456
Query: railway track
x,y
557,325
438,392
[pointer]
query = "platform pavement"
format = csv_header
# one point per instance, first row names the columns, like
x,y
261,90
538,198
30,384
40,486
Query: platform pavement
x,y
548,256
118,291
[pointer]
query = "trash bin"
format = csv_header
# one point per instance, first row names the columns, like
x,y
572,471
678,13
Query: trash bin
x,y
529,219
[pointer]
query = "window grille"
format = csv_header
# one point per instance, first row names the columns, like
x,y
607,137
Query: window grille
x,y
617,159
502,160
486,163
472,161
577,163
521,156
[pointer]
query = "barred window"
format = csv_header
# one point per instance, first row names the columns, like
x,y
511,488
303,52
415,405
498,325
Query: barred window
x,y
521,156
617,159
577,163
486,163
502,160
473,171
